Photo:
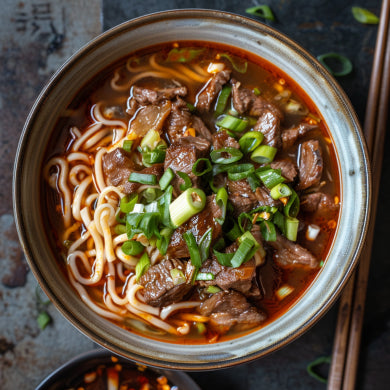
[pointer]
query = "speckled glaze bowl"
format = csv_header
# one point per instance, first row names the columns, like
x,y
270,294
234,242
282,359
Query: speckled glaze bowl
x,y
252,36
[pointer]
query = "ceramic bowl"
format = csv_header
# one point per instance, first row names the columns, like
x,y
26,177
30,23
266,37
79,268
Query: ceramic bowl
x,y
292,59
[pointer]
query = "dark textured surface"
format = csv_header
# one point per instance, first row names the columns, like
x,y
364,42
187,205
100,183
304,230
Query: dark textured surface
x,y
320,26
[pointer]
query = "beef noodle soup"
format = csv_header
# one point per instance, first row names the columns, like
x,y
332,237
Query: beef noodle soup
x,y
194,192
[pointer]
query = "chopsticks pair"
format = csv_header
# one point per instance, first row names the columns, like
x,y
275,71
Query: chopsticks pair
x,y
345,356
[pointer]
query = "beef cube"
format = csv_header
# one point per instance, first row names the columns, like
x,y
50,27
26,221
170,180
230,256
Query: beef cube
x,y
159,288
201,129
228,309
288,253
155,96
269,125
117,166
310,164
198,224
182,155
241,196
288,168
320,203
211,90
290,136
178,121
221,139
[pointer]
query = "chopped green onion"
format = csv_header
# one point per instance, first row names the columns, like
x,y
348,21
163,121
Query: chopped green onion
x,y
311,366
270,177
239,67
256,245
222,99
184,54
177,276
155,156
189,238
224,259
163,242
241,219
205,276
127,145
151,139
218,156
127,203
132,248
256,91
132,224
292,225
284,291
189,203
262,11
204,244
363,15
166,179
202,161
250,141
232,123
241,171
143,178
292,207
336,64
264,154
281,190
253,181
142,266
221,200
120,229
43,319
165,202
187,181
212,289
234,232
191,107
243,252
149,224
151,194
268,230
280,221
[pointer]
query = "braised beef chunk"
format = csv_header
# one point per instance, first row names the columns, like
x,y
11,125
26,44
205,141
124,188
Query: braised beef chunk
x,y
310,164
221,139
179,120
211,90
264,198
201,129
288,168
228,309
290,136
239,279
154,96
320,203
269,124
182,155
117,166
159,288
288,253
198,224
241,196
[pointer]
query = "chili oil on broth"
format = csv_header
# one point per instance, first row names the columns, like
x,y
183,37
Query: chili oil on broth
x,y
80,114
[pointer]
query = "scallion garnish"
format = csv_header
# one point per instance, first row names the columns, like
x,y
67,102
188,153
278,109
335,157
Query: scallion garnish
x,y
281,190
205,166
204,244
238,66
245,221
119,229
250,141
163,242
232,123
240,171
270,177
268,230
43,319
155,156
264,154
205,276
364,16
292,207
222,99
280,221
336,64
127,145
177,276
243,252
219,156
262,11
253,181
127,203
142,266
189,203
187,181
143,178
164,203
189,238
292,228
166,179
317,362
132,248
234,232
150,140
212,289
184,54
221,200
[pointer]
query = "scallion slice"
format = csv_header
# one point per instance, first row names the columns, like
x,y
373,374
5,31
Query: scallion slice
x,y
143,178
221,200
119,229
207,167
234,232
292,228
127,203
238,66
204,244
189,238
142,266
222,99
270,177
164,203
177,276
127,145
232,123
364,16
218,156
250,141
243,252
280,221
268,230
212,289
166,179
189,203
223,258
132,248
253,181
336,64
187,181
163,242
205,276
155,156
241,171
281,190
292,207
264,154
262,11
151,139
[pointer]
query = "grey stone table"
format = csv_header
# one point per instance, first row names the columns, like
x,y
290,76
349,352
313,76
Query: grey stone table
x,y
36,36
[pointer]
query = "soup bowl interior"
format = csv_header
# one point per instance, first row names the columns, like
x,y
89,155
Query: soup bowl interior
x,y
250,36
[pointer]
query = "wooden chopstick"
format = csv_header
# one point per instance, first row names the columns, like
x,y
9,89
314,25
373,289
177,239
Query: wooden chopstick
x,y
345,356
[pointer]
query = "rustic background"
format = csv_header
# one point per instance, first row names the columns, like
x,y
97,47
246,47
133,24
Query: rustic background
x,y
36,37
